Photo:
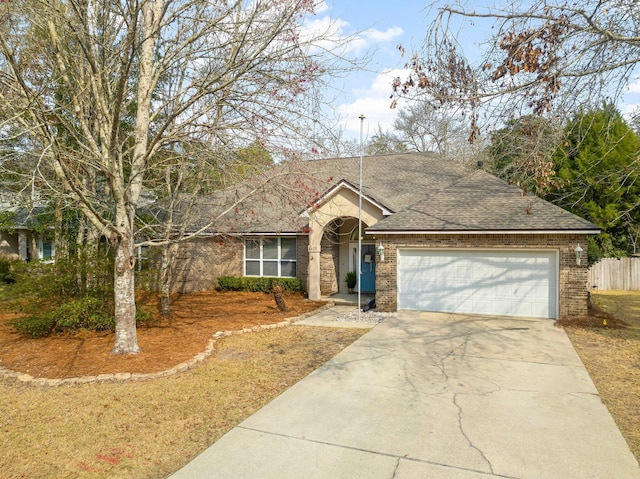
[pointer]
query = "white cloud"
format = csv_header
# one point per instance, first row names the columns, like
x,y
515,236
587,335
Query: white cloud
x,y
634,87
323,27
374,103
629,110
335,33
321,7
369,38
386,36
630,105
338,35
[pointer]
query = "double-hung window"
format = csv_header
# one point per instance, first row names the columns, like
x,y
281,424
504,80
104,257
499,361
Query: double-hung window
x,y
270,256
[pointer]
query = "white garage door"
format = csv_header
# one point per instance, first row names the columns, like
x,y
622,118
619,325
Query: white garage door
x,y
505,283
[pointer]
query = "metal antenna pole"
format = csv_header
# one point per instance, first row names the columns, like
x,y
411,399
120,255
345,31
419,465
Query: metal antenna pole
x,y
360,224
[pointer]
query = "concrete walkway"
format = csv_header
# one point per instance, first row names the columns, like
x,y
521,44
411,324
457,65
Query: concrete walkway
x,y
341,316
426,395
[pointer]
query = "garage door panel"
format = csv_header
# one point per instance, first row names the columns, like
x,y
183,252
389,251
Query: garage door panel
x,y
522,283
480,274
539,292
425,302
502,307
502,289
522,309
482,306
538,310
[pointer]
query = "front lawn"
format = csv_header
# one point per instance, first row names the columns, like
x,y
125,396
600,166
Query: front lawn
x,y
149,429
612,357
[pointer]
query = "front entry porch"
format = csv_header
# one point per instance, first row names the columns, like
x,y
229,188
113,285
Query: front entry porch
x,y
339,256
333,241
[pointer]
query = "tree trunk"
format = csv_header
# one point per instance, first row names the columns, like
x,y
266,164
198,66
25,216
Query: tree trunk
x,y
92,241
166,266
279,298
33,246
60,245
126,341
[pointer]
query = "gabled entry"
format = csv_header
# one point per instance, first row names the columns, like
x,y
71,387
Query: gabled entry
x,y
337,206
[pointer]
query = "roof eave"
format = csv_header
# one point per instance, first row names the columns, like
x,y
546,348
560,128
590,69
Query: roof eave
x,y
483,232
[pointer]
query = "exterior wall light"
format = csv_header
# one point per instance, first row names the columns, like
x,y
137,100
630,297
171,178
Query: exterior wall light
x,y
381,252
578,251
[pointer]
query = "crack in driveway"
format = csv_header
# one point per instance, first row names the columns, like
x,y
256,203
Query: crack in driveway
x,y
466,436
399,458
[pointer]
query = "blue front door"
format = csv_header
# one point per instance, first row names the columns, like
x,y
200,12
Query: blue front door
x,y
368,272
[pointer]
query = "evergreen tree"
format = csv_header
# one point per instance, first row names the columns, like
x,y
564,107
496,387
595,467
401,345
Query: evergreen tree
x,y
599,178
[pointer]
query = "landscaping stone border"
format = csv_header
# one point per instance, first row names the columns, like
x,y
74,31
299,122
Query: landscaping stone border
x,y
178,368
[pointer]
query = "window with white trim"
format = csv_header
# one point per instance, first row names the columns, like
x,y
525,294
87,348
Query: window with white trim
x,y
270,256
46,250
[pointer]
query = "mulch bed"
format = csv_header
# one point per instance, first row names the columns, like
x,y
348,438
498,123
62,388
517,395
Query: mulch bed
x,y
597,318
170,341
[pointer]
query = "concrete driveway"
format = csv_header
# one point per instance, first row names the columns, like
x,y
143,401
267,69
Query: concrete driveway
x,y
426,395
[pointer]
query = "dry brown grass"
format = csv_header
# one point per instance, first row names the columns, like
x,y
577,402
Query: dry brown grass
x,y
150,429
611,354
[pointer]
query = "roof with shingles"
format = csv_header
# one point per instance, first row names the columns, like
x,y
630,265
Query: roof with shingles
x,y
425,192
482,202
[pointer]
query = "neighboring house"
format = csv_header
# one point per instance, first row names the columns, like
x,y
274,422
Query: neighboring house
x,y
453,239
21,242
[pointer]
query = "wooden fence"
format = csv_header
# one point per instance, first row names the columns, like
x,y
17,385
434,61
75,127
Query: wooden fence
x,y
614,273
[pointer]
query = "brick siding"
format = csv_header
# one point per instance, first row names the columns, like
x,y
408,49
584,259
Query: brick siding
x,y
302,260
572,278
201,261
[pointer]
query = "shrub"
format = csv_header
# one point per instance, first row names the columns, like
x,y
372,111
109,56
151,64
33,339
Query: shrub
x,y
258,284
6,271
82,313
34,326
74,293
72,277
143,317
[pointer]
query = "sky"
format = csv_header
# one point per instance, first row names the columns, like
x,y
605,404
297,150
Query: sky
x,y
382,25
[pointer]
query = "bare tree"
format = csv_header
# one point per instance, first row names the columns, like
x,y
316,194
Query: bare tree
x,y
438,128
522,153
543,57
101,88
423,127
385,142
188,175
